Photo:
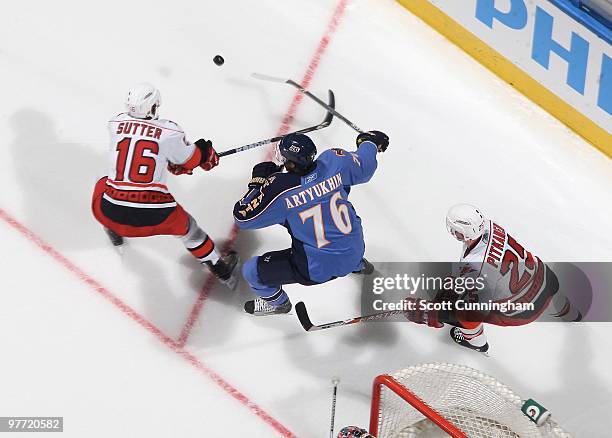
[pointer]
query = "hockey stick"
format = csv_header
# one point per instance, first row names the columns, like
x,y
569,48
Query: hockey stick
x,y
302,313
309,94
325,123
335,382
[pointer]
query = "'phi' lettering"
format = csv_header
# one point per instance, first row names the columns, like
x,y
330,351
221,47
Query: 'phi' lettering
x,y
515,18
576,57
604,100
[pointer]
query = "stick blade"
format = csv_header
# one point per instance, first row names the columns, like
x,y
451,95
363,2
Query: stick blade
x,y
268,78
302,314
332,104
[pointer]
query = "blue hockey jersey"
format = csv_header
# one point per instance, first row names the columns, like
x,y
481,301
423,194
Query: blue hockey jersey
x,y
315,210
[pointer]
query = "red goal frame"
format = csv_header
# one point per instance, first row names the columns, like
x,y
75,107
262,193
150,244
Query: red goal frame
x,y
413,400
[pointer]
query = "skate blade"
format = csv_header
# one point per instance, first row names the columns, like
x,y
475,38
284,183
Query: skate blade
x,y
120,249
291,312
232,282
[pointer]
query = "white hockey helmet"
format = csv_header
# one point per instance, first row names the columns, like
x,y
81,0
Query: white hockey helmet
x,y
142,101
465,222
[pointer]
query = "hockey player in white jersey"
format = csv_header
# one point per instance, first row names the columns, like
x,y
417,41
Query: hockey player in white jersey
x,y
133,199
508,273
511,274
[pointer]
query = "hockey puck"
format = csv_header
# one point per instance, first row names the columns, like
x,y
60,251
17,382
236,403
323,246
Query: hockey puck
x,y
218,59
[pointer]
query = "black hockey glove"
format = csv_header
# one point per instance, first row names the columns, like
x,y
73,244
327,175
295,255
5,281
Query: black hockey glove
x,y
262,171
380,139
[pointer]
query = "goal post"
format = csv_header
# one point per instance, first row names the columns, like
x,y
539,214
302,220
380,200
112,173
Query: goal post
x,y
387,381
441,399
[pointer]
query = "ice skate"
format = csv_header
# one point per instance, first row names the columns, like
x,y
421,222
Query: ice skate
x,y
457,335
117,240
225,269
260,307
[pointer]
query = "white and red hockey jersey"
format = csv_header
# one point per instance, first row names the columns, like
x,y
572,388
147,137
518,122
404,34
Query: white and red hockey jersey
x,y
509,271
140,150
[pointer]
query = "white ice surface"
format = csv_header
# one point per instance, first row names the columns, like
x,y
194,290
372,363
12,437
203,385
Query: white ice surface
x,y
457,134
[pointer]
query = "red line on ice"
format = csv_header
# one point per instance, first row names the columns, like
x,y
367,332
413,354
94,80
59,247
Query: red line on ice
x,y
141,320
177,346
284,128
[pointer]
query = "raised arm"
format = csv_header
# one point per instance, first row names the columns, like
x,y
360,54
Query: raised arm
x,y
359,166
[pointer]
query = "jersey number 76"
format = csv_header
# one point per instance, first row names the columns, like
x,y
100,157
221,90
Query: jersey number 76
x,y
340,216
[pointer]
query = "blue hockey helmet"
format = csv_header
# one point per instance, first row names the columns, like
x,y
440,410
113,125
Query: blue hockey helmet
x,y
299,149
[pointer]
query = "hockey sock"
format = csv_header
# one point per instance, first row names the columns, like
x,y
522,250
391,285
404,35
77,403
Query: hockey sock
x,y
199,244
474,336
205,251
561,308
278,298
272,294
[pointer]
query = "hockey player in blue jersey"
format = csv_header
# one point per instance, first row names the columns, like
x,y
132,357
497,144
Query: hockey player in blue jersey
x,y
310,200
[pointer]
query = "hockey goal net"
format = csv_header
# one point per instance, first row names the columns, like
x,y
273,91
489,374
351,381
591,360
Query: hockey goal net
x,y
441,400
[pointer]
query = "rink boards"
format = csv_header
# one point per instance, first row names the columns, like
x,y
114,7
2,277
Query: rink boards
x,y
553,59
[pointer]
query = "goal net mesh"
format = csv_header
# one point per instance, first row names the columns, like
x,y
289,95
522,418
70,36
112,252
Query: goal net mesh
x,y
474,403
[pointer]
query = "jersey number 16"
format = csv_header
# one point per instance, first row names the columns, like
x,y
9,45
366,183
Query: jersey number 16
x,y
142,167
